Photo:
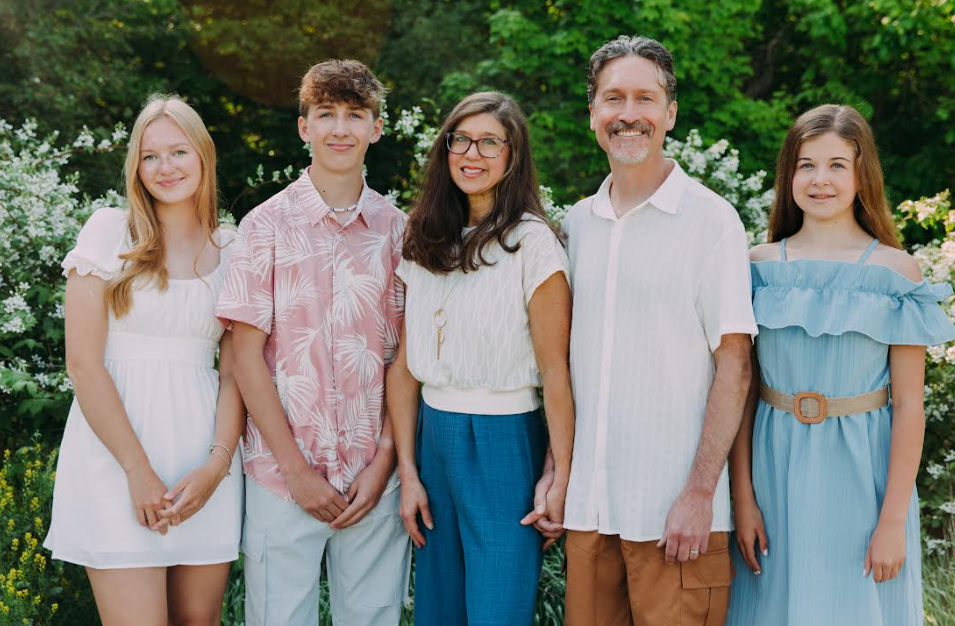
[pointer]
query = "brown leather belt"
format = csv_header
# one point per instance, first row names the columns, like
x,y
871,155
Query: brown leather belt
x,y
810,407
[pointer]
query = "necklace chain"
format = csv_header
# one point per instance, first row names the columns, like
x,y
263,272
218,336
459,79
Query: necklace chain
x,y
440,318
346,209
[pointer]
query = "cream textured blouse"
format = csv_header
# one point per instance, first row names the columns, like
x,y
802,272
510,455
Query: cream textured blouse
x,y
487,364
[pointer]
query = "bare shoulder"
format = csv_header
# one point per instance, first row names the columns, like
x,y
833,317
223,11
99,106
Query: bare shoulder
x,y
764,252
897,260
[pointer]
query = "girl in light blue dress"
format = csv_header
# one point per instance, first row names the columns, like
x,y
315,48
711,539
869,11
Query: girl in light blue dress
x,y
824,467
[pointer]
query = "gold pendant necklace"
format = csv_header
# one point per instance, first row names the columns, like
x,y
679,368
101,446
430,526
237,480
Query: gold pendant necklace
x,y
440,318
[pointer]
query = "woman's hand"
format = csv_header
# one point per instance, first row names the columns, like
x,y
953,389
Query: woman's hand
x,y
414,498
146,491
191,493
749,529
549,496
886,554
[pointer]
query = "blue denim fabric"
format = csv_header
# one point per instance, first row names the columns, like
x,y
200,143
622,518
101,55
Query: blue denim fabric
x,y
480,567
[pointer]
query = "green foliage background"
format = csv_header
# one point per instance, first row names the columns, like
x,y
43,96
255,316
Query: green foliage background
x,y
745,69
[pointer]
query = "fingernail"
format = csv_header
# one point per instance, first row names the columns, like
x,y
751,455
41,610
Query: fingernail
x,y
766,552
539,509
863,572
757,572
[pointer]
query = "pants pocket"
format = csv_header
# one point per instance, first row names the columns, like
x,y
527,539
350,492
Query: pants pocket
x,y
705,584
256,593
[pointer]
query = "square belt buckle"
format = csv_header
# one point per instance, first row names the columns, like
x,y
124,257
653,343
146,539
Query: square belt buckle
x,y
802,395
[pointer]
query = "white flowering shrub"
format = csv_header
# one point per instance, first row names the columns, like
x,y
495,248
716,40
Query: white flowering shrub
x,y
717,167
937,483
40,214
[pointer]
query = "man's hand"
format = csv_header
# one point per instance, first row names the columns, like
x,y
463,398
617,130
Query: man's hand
x,y
548,514
365,492
315,495
686,533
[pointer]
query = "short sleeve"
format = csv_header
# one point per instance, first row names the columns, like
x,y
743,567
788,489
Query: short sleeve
x,y
247,293
98,246
405,271
724,302
542,256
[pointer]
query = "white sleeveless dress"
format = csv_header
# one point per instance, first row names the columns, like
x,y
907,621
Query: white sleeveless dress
x,y
161,356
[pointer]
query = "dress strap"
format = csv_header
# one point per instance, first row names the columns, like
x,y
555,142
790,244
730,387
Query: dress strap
x,y
868,251
782,249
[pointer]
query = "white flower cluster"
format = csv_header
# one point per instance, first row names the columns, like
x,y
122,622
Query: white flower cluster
x,y
40,215
717,167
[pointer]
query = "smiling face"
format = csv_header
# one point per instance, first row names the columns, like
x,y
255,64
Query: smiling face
x,y
473,173
169,165
630,115
824,183
339,134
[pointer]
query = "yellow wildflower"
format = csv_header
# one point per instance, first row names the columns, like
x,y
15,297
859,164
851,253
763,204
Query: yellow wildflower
x,y
6,455
54,607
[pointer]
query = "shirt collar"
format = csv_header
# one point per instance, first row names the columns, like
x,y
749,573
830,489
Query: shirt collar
x,y
666,198
314,207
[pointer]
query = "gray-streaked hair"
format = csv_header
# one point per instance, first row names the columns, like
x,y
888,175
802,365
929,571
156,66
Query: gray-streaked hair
x,y
626,45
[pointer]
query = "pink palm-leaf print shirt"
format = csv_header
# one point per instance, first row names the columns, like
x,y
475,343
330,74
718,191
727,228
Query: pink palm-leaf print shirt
x,y
328,298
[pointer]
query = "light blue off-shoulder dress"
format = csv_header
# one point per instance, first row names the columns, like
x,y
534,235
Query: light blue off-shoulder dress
x,y
826,327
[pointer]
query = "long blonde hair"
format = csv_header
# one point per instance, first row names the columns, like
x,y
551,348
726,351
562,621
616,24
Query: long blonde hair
x,y
147,257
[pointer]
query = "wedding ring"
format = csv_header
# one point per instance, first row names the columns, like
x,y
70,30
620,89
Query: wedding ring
x,y
694,552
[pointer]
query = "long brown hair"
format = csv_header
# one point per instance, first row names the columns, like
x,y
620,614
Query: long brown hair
x,y
870,207
433,237
147,257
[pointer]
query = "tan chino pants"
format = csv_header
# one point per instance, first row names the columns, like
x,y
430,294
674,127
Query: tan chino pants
x,y
613,582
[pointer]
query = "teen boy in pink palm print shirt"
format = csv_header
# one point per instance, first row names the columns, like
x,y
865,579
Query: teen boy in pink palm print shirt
x,y
317,311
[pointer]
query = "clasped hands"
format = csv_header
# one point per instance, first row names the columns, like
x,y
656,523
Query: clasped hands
x,y
311,491
158,508
549,497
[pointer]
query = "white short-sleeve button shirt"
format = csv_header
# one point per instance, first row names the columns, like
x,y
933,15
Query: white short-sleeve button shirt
x,y
654,292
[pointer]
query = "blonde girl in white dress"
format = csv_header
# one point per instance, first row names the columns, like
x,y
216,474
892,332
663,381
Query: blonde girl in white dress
x,y
148,495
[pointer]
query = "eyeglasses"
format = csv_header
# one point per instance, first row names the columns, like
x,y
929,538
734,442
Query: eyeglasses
x,y
488,147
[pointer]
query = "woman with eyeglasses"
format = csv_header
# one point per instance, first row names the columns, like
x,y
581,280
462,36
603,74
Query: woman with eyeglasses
x,y
487,323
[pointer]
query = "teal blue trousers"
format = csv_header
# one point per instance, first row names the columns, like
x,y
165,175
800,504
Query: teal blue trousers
x,y
479,566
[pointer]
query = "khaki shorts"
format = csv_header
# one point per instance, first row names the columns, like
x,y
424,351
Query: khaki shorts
x,y
613,582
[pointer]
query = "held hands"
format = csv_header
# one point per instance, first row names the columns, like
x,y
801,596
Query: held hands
x,y
191,493
146,491
414,498
549,496
686,533
749,529
886,554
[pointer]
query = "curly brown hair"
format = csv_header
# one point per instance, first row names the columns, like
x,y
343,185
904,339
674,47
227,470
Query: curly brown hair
x,y
341,80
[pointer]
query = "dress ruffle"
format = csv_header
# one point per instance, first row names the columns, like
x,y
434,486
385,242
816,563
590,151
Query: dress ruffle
x,y
832,298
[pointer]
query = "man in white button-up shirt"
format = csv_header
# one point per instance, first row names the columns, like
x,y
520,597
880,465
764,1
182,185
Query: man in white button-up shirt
x,y
659,360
